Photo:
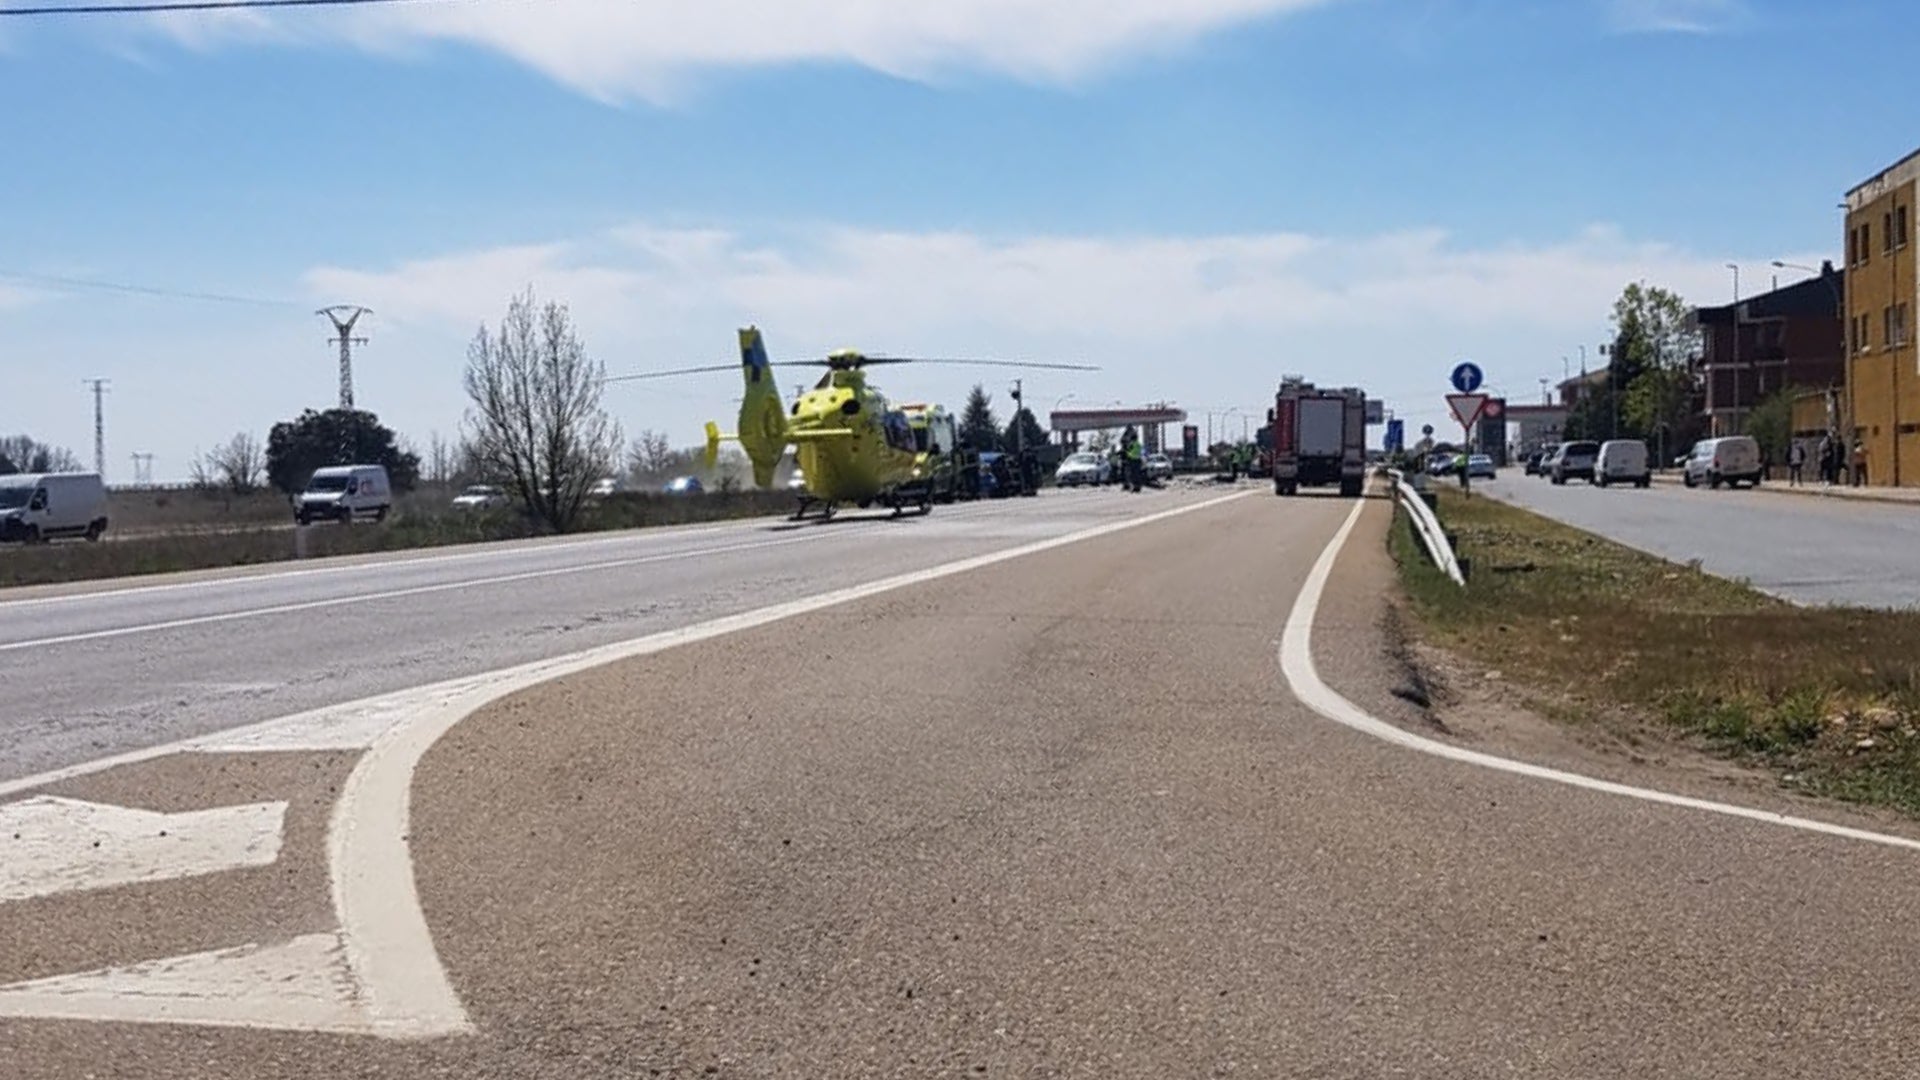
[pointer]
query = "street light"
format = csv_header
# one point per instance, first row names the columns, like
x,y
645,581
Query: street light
x,y
1735,267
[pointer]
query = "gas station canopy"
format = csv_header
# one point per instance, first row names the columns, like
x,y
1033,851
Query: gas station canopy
x,y
1106,419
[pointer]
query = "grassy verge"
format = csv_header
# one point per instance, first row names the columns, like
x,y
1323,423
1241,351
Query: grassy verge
x,y
1829,698
242,546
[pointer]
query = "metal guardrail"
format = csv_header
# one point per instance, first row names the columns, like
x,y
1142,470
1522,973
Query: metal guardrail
x,y
1432,536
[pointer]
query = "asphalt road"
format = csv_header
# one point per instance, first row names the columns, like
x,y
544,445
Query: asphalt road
x,y
1059,817
116,669
1806,550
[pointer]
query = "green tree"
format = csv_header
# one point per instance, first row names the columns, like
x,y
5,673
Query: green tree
x,y
1771,424
1023,431
1652,333
978,428
314,440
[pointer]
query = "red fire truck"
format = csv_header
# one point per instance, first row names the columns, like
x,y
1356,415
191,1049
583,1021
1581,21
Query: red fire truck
x,y
1319,437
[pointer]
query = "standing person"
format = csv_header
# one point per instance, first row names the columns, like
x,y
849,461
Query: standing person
x,y
1796,460
1828,469
1859,462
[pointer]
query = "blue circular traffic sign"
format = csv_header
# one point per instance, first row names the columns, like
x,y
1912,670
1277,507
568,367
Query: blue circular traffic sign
x,y
1466,376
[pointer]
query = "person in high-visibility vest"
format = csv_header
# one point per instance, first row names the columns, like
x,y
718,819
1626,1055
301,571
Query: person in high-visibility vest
x,y
1135,459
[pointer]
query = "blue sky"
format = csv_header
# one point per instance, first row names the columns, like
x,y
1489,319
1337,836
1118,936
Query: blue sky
x,y
1196,195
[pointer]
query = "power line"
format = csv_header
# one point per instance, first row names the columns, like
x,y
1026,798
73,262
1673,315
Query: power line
x,y
140,290
182,5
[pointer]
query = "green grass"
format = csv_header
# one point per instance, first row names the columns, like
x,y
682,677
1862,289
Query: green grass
x,y
413,525
1828,698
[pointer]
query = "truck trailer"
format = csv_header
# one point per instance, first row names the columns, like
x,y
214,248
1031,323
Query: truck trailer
x,y
1319,438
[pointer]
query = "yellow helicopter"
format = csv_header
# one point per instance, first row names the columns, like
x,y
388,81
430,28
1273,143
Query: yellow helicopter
x,y
851,444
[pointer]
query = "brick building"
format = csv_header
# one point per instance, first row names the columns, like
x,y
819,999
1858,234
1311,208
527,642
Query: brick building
x,y
1883,380
1791,337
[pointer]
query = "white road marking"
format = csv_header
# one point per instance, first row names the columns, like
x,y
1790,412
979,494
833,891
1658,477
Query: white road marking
x,y
500,549
393,973
388,942
302,984
394,594
50,845
487,549
1296,663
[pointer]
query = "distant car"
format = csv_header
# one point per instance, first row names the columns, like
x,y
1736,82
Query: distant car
x,y
1442,464
1480,465
38,507
480,497
1081,469
1730,459
1159,467
1533,462
684,485
1574,461
1623,461
603,487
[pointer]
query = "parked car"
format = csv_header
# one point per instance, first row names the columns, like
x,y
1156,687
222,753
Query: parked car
x,y
1480,465
1159,467
1533,461
1547,457
344,492
1441,464
1574,461
480,497
1729,459
684,485
41,506
1081,469
1625,461
603,487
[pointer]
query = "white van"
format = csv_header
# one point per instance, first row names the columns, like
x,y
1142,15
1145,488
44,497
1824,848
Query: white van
x,y
343,492
1732,459
1624,461
41,506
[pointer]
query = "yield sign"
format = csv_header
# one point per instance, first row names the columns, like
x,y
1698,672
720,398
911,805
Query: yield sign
x,y
1467,407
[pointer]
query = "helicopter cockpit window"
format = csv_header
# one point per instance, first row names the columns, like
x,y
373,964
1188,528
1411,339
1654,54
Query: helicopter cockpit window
x,y
899,432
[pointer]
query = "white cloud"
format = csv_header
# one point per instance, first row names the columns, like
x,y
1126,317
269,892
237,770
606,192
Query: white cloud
x,y
1677,16
619,49
1208,320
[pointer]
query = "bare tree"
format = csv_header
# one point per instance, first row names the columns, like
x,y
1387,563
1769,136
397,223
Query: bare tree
x,y
238,466
201,471
536,418
24,453
440,459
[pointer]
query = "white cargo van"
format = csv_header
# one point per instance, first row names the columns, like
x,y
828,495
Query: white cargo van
x,y
1623,461
41,506
1731,459
344,492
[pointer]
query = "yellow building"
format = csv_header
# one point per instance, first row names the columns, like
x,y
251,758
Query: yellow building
x,y
1883,366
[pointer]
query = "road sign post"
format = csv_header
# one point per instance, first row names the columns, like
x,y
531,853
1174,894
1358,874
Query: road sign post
x,y
1466,408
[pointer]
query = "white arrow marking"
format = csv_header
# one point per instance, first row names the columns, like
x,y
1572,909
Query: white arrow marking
x,y
303,984
52,845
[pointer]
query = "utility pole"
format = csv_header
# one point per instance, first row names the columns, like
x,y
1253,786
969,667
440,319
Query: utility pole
x,y
1019,429
1737,427
343,316
99,426
142,469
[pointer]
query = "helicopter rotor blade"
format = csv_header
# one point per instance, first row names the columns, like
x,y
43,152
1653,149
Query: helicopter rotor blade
x,y
979,363
706,369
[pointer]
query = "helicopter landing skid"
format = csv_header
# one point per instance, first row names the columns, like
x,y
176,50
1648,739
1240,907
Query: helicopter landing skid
x,y
824,511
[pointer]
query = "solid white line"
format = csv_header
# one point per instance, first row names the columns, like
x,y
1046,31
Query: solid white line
x,y
389,945
1296,663
493,549
393,594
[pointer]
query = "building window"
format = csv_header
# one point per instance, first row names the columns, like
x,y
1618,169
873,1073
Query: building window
x,y
1866,241
1899,335
1862,333
1899,226
1886,231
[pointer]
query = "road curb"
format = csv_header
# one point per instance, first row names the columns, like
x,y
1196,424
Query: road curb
x,y
1782,488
